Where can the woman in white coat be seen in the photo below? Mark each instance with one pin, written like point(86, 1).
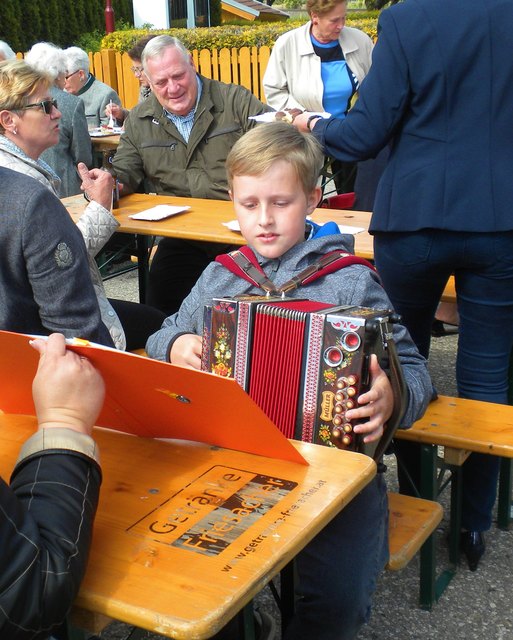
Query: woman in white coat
point(319, 67)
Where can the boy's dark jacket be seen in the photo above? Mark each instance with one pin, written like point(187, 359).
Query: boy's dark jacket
point(357, 285)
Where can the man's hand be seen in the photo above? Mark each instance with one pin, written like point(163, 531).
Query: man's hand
point(98, 185)
point(67, 390)
point(186, 351)
point(376, 405)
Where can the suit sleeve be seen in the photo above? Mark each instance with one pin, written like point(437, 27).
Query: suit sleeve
point(46, 518)
point(58, 270)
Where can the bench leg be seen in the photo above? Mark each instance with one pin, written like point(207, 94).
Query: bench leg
point(432, 587)
point(428, 490)
point(505, 487)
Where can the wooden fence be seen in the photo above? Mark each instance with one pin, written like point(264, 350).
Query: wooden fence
point(245, 66)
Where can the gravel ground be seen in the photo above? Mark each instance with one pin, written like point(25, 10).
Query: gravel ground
point(475, 606)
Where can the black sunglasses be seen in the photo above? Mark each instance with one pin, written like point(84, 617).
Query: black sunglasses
point(45, 105)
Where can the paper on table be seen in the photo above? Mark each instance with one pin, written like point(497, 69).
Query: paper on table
point(160, 212)
point(233, 225)
point(270, 116)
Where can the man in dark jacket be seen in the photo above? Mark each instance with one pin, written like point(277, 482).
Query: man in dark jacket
point(176, 143)
point(47, 512)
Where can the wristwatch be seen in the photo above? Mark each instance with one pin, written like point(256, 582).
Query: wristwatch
point(315, 116)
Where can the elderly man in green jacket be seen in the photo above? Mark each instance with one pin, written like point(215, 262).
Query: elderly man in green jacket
point(176, 143)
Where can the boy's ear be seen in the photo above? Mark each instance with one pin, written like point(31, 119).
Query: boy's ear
point(230, 194)
point(313, 199)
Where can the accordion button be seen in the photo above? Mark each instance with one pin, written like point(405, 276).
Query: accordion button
point(352, 380)
point(347, 427)
point(337, 421)
point(347, 440)
point(351, 391)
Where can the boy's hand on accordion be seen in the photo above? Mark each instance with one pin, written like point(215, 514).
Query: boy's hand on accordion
point(186, 351)
point(376, 405)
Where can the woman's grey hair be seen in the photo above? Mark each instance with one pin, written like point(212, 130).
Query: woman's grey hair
point(76, 59)
point(6, 52)
point(46, 57)
point(156, 47)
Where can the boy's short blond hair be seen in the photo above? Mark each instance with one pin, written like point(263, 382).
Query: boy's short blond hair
point(261, 147)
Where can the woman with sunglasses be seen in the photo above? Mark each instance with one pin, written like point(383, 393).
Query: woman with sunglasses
point(29, 124)
point(74, 144)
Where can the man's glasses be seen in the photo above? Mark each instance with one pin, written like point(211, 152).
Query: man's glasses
point(45, 105)
point(137, 71)
point(71, 74)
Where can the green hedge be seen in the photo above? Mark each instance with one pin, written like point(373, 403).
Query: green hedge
point(231, 36)
point(63, 22)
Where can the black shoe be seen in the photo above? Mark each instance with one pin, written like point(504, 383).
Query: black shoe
point(473, 546)
point(439, 329)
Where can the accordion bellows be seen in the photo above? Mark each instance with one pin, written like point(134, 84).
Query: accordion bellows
point(303, 362)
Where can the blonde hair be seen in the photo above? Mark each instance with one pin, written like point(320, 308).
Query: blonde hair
point(18, 83)
point(266, 144)
point(320, 7)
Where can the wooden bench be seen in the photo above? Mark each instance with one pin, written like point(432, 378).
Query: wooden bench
point(411, 522)
point(461, 427)
point(449, 294)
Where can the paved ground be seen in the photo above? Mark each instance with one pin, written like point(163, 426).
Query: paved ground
point(476, 606)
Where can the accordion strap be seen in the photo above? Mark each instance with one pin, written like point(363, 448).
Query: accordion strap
point(243, 262)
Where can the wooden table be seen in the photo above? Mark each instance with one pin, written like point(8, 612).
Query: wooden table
point(105, 143)
point(204, 222)
point(187, 534)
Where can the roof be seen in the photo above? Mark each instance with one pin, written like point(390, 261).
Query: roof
point(252, 10)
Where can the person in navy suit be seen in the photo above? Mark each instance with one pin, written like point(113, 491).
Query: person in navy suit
point(440, 91)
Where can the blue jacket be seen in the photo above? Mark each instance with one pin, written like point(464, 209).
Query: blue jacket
point(440, 88)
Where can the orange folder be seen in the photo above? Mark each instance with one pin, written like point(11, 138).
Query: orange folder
point(154, 399)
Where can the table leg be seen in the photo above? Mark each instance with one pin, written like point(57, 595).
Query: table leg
point(143, 263)
point(505, 487)
point(247, 622)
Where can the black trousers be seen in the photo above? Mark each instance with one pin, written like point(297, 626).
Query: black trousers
point(175, 269)
point(139, 321)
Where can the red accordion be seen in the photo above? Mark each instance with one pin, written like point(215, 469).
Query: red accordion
point(303, 362)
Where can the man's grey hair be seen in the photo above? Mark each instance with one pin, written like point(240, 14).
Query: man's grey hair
point(156, 47)
point(5, 51)
point(76, 59)
point(48, 58)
